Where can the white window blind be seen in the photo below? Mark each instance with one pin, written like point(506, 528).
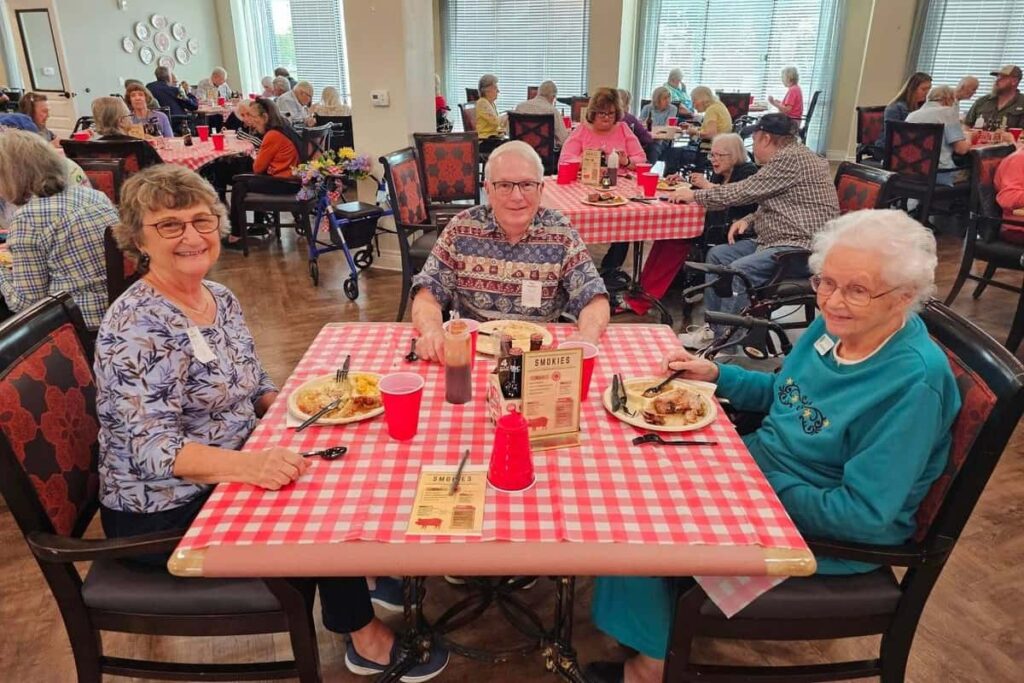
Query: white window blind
point(522, 42)
point(739, 46)
point(970, 37)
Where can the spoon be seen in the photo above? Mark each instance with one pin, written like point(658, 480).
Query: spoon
point(411, 356)
point(332, 453)
point(656, 438)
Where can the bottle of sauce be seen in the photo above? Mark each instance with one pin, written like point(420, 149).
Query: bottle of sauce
point(513, 388)
point(458, 352)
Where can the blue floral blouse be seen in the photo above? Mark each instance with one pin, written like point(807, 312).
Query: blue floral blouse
point(154, 396)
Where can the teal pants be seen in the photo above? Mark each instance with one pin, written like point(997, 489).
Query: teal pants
point(636, 611)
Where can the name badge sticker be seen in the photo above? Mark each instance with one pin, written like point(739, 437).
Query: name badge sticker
point(824, 344)
point(200, 349)
point(531, 296)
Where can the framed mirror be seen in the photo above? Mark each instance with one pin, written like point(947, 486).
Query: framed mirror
point(40, 50)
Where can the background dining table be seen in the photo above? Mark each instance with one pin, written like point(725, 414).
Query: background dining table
point(174, 151)
point(603, 507)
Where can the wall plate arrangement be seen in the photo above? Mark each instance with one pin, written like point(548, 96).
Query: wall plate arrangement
point(193, 46)
point(128, 45)
point(145, 55)
point(158, 21)
point(166, 61)
point(179, 32)
point(182, 55)
point(161, 41)
point(141, 31)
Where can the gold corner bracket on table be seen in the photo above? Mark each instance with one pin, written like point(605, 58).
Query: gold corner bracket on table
point(789, 562)
point(187, 562)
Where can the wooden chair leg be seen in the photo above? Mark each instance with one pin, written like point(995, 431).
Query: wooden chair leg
point(296, 598)
point(1017, 328)
point(990, 271)
point(961, 277)
point(684, 630)
point(406, 287)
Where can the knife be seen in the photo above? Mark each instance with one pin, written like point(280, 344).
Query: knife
point(458, 475)
point(318, 414)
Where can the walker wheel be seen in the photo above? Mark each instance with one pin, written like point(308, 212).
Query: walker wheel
point(351, 288)
point(364, 258)
point(314, 272)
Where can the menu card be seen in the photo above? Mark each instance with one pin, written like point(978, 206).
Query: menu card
point(590, 167)
point(551, 397)
point(436, 511)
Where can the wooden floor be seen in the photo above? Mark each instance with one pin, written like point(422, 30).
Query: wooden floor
point(972, 630)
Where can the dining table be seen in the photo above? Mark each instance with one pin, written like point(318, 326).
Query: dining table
point(174, 151)
point(603, 507)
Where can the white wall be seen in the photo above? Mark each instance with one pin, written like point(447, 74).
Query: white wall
point(93, 29)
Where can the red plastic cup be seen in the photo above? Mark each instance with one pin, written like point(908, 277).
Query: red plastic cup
point(589, 359)
point(672, 121)
point(649, 183)
point(221, 101)
point(82, 136)
point(511, 467)
point(218, 141)
point(474, 334)
point(643, 168)
point(567, 120)
point(401, 393)
point(566, 174)
point(253, 96)
point(203, 132)
point(1015, 132)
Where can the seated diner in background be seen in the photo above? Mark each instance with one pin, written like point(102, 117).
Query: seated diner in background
point(604, 129)
point(55, 236)
point(267, 83)
point(510, 259)
point(910, 98)
point(156, 122)
point(330, 104)
point(795, 198)
point(716, 117)
point(636, 126)
point(179, 389)
point(1004, 106)
point(544, 103)
point(150, 100)
point(111, 120)
point(490, 127)
point(36, 106)
point(282, 72)
point(792, 104)
point(660, 109)
point(730, 164)
point(858, 420)
point(965, 89)
point(677, 90)
point(214, 87)
point(279, 86)
point(940, 107)
point(1009, 183)
point(294, 104)
point(175, 97)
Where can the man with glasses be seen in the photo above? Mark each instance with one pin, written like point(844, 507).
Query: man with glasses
point(510, 259)
point(795, 198)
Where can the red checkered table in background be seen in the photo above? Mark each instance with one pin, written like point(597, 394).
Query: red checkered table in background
point(605, 507)
point(174, 151)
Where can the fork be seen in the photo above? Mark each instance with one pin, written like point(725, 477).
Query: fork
point(650, 392)
point(651, 437)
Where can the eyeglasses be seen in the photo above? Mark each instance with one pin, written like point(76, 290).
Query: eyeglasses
point(605, 114)
point(172, 227)
point(528, 188)
point(720, 155)
point(855, 295)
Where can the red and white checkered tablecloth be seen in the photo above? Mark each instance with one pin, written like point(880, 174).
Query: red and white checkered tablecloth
point(604, 491)
point(200, 153)
point(632, 222)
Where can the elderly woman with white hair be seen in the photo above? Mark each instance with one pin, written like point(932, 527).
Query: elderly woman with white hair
point(858, 421)
point(677, 89)
point(112, 121)
point(490, 127)
point(792, 105)
point(716, 117)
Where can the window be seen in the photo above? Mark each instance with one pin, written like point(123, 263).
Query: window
point(970, 37)
point(740, 46)
point(522, 42)
point(307, 37)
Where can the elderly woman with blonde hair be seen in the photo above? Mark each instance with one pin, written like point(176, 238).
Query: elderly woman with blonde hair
point(858, 420)
point(55, 236)
point(111, 119)
point(330, 104)
point(716, 117)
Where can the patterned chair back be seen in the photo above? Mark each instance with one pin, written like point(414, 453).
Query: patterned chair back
point(869, 124)
point(538, 131)
point(48, 424)
point(122, 271)
point(912, 150)
point(449, 164)
point(738, 103)
point(472, 94)
point(402, 171)
point(991, 384)
point(862, 187)
point(531, 91)
point(984, 163)
point(468, 112)
point(577, 107)
point(128, 150)
point(105, 175)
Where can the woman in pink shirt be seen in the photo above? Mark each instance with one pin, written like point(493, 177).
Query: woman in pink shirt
point(1009, 182)
point(604, 130)
point(792, 105)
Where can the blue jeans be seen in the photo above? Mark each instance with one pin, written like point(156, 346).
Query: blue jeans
point(743, 257)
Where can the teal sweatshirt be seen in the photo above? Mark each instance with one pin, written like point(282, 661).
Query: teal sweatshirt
point(851, 450)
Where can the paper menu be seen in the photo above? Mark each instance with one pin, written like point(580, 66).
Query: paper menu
point(436, 512)
point(551, 396)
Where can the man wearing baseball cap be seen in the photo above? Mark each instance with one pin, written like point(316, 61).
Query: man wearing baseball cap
point(1005, 105)
point(795, 198)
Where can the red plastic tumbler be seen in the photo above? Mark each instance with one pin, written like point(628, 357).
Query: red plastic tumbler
point(203, 132)
point(511, 461)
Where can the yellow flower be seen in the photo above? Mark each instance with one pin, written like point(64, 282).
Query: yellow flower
point(347, 153)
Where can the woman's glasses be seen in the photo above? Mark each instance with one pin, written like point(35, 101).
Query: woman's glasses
point(605, 114)
point(172, 227)
point(855, 295)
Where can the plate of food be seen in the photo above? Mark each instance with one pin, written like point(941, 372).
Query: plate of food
point(681, 405)
point(672, 182)
point(361, 394)
point(604, 199)
point(520, 330)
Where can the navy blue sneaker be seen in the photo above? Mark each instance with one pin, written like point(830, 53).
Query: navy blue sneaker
point(361, 666)
point(388, 594)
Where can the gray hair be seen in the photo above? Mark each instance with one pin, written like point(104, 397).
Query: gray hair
point(659, 92)
point(267, 82)
point(282, 85)
point(790, 76)
point(520, 149)
point(702, 92)
point(547, 89)
point(486, 81)
point(905, 247)
point(942, 93)
point(162, 73)
point(29, 167)
point(624, 98)
point(107, 113)
point(675, 75)
point(219, 71)
point(304, 86)
point(731, 143)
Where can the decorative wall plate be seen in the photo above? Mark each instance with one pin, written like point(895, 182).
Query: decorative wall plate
point(166, 61)
point(179, 32)
point(158, 21)
point(145, 54)
point(161, 41)
point(141, 31)
point(193, 46)
point(127, 44)
point(182, 55)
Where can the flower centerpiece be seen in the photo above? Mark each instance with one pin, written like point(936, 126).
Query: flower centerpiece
point(329, 171)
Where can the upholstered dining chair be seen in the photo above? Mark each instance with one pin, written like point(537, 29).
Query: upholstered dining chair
point(820, 607)
point(862, 187)
point(132, 151)
point(578, 104)
point(870, 122)
point(472, 94)
point(983, 242)
point(121, 270)
point(531, 91)
point(468, 113)
point(808, 116)
point(912, 152)
point(48, 476)
point(105, 175)
point(450, 170)
point(737, 103)
point(538, 131)
point(415, 231)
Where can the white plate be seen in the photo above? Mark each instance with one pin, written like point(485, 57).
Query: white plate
point(166, 61)
point(488, 345)
point(193, 46)
point(182, 55)
point(294, 409)
point(145, 54)
point(127, 44)
point(179, 32)
point(158, 21)
point(161, 41)
point(141, 31)
point(634, 391)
